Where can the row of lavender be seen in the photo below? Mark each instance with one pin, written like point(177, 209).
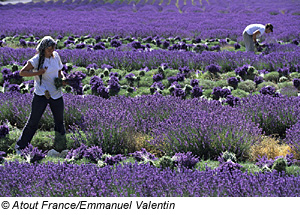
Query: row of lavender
point(169, 124)
point(209, 20)
point(19, 179)
point(282, 56)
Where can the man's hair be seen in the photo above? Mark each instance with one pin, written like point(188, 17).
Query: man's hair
point(269, 26)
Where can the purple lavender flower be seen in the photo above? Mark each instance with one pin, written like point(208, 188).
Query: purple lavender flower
point(214, 69)
point(74, 80)
point(80, 46)
point(184, 69)
point(242, 71)
point(32, 154)
point(93, 153)
point(231, 100)
point(264, 161)
point(158, 42)
point(143, 155)
point(4, 130)
point(229, 167)
point(295, 41)
point(178, 92)
point(194, 82)
point(290, 159)
point(284, 71)
point(59, 37)
point(13, 88)
point(233, 81)
point(157, 77)
point(78, 153)
point(6, 71)
point(115, 43)
point(99, 46)
point(218, 92)
point(215, 48)
point(225, 92)
point(296, 83)
point(264, 71)
point(198, 40)
point(92, 66)
point(158, 85)
point(130, 77)
point(148, 39)
point(268, 90)
point(197, 92)
point(2, 154)
point(187, 160)
point(237, 46)
point(180, 76)
point(113, 85)
point(22, 42)
point(111, 160)
point(95, 83)
point(106, 66)
point(166, 44)
point(258, 80)
point(172, 79)
point(136, 44)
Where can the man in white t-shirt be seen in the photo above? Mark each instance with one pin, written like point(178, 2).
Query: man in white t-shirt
point(253, 31)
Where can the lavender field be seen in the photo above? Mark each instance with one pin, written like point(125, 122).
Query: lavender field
point(162, 99)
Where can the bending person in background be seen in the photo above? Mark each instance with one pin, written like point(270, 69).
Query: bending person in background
point(252, 32)
point(45, 66)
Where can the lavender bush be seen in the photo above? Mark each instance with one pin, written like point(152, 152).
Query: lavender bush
point(187, 160)
point(138, 180)
point(273, 114)
point(32, 154)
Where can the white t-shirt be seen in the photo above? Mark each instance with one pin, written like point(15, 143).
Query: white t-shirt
point(54, 65)
point(250, 29)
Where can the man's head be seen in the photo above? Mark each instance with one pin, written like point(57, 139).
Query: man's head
point(268, 28)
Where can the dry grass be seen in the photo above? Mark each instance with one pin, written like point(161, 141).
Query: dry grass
point(271, 148)
point(135, 141)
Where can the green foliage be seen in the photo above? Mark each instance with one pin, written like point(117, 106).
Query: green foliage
point(266, 169)
point(211, 76)
point(170, 72)
point(248, 86)
point(75, 138)
point(7, 143)
point(280, 164)
point(146, 81)
point(229, 156)
point(250, 167)
point(283, 79)
point(221, 83)
point(264, 84)
point(208, 93)
point(43, 140)
point(166, 162)
point(228, 75)
point(211, 164)
point(293, 170)
point(239, 93)
point(295, 75)
point(289, 91)
point(285, 84)
point(272, 77)
point(251, 73)
point(206, 84)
